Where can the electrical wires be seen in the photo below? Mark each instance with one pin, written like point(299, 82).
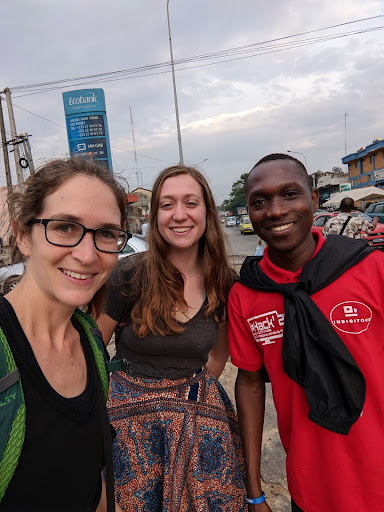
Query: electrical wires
point(208, 59)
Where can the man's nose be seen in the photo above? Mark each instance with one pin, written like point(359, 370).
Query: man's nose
point(276, 207)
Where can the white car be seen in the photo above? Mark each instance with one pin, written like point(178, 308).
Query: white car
point(134, 245)
point(10, 275)
point(230, 221)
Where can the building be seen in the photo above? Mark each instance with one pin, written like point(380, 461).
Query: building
point(139, 207)
point(330, 183)
point(366, 166)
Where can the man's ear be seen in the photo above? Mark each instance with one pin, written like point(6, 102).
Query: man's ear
point(315, 199)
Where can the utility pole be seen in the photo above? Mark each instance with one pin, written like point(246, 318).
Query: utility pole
point(174, 90)
point(6, 162)
point(28, 152)
point(345, 133)
point(134, 149)
point(12, 124)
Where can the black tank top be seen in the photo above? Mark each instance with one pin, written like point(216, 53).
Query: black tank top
point(62, 457)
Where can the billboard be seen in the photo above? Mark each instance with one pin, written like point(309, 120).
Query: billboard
point(344, 187)
point(87, 128)
point(242, 210)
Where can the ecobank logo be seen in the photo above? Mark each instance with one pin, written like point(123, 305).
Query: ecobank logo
point(89, 97)
point(351, 317)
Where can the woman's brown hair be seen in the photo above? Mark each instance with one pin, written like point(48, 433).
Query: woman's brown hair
point(29, 202)
point(157, 286)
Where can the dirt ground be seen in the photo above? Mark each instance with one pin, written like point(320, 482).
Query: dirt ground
point(273, 455)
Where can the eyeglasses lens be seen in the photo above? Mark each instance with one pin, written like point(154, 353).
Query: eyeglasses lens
point(68, 234)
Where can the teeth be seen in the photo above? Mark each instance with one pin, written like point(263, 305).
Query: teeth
point(181, 230)
point(281, 228)
point(76, 275)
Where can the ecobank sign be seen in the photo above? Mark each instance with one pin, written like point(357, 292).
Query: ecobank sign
point(84, 100)
point(87, 126)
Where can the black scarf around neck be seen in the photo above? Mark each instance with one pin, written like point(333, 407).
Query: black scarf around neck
point(314, 356)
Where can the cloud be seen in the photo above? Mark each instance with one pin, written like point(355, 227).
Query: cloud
point(232, 113)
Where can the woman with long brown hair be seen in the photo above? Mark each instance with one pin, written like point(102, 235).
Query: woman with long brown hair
point(69, 227)
point(177, 446)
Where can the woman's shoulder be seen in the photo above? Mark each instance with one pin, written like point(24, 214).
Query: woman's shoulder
point(127, 267)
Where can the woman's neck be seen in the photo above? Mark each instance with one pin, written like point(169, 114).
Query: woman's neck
point(39, 317)
point(186, 262)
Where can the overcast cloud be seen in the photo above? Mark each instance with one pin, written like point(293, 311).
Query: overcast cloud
point(231, 113)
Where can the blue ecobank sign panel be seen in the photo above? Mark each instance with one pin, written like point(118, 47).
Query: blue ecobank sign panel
point(87, 127)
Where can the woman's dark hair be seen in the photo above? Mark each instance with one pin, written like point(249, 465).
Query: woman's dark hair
point(157, 286)
point(29, 202)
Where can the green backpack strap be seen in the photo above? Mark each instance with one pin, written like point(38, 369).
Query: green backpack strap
point(12, 414)
point(104, 366)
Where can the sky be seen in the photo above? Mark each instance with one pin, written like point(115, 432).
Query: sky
point(292, 84)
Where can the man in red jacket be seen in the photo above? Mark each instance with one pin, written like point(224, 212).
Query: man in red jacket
point(310, 311)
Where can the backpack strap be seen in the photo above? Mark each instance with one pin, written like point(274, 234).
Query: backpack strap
point(12, 414)
point(103, 364)
point(100, 361)
point(96, 342)
point(345, 225)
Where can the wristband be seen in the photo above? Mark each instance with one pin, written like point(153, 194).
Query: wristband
point(255, 501)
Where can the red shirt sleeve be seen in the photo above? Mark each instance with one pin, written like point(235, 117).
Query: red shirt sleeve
point(243, 348)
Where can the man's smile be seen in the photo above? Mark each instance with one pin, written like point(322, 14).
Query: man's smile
point(281, 228)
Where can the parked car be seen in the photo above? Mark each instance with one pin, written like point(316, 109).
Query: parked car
point(376, 210)
point(10, 275)
point(245, 225)
point(230, 221)
point(375, 237)
point(134, 245)
point(317, 212)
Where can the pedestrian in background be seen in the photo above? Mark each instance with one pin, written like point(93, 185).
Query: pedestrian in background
point(259, 248)
point(177, 446)
point(144, 228)
point(346, 224)
point(311, 311)
point(69, 227)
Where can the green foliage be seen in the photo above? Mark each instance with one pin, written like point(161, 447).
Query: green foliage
point(236, 196)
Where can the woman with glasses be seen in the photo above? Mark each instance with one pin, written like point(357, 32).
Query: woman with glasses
point(69, 228)
point(177, 447)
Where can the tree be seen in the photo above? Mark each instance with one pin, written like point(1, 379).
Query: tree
point(236, 196)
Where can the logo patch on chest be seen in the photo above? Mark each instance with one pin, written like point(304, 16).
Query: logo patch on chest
point(267, 328)
point(351, 317)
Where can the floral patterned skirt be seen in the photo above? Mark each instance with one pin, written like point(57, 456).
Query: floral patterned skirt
point(177, 447)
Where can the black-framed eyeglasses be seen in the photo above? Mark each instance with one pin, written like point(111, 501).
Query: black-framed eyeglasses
point(65, 233)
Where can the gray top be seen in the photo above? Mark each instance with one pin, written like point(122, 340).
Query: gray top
point(159, 357)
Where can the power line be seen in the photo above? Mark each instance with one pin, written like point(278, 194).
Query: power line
point(238, 53)
point(282, 48)
point(269, 46)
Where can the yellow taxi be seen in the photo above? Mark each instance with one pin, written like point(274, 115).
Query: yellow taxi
point(245, 225)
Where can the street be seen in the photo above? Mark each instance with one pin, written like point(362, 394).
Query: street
point(273, 455)
point(241, 244)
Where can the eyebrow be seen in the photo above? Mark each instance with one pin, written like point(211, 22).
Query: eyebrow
point(186, 196)
point(283, 187)
point(73, 218)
